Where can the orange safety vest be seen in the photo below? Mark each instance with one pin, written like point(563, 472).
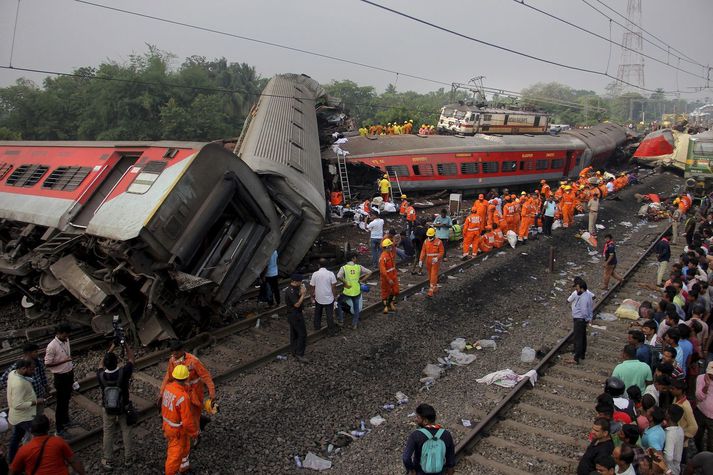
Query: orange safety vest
point(499, 238)
point(546, 190)
point(430, 250)
point(176, 410)
point(198, 378)
point(387, 266)
point(403, 208)
point(487, 241)
point(411, 214)
point(472, 224)
point(336, 198)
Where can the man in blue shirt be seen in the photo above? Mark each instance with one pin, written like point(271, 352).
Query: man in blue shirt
point(582, 309)
point(271, 279)
point(684, 343)
point(643, 352)
point(672, 338)
point(548, 218)
point(654, 437)
point(443, 225)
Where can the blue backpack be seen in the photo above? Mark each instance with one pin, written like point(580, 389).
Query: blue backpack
point(433, 452)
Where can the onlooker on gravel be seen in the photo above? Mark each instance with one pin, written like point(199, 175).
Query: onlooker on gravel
point(654, 436)
point(376, 233)
point(45, 454)
point(688, 422)
point(604, 465)
point(669, 358)
point(582, 308)
point(430, 444)
point(673, 447)
point(624, 458)
point(672, 338)
point(663, 256)
point(632, 371)
point(610, 262)
point(702, 464)
point(601, 445)
point(643, 352)
point(295, 295)
point(704, 409)
point(352, 275)
point(114, 384)
point(39, 378)
point(324, 288)
point(629, 435)
point(593, 206)
point(22, 402)
point(58, 358)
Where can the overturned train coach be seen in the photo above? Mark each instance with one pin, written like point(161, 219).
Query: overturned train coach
point(167, 235)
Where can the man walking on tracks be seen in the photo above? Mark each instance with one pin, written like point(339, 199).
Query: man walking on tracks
point(58, 358)
point(389, 275)
point(199, 378)
point(430, 449)
point(295, 295)
point(582, 310)
point(352, 275)
point(431, 254)
point(179, 425)
point(324, 288)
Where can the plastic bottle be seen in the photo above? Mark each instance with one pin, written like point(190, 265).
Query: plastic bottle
point(362, 426)
point(389, 407)
point(298, 462)
point(486, 343)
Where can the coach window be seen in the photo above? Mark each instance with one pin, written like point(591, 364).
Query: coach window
point(508, 166)
point(447, 169)
point(146, 177)
point(397, 170)
point(528, 165)
point(487, 117)
point(490, 167)
point(423, 170)
point(542, 164)
point(66, 178)
point(5, 167)
point(469, 168)
point(557, 163)
point(26, 175)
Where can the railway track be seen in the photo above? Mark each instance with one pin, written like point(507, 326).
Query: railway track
point(543, 429)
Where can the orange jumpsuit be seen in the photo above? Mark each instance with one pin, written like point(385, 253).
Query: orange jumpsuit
point(178, 426)
point(585, 172)
point(487, 241)
point(367, 206)
point(411, 214)
point(490, 214)
point(431, 251)
point(388, 272)
point(527, 219)
point(199, 378)
point(403, 208)
point(509, 211)
point(499, 238)
point(603, 191)
point(568, 200)
point(471, 233)
point(546, 190)
point(481, 209)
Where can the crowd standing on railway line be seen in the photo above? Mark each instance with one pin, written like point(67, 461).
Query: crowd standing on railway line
point(655, 415)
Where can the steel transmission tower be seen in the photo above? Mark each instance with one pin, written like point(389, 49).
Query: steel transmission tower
point(631, 67)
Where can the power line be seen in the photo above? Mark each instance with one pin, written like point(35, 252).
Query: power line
point(597, 35)
point(14, 31)
point(509, 50)
point(668, 46)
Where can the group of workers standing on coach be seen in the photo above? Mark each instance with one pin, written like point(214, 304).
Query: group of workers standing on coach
point(397, 128)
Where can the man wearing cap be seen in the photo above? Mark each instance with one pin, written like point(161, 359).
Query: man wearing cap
point(704, 409)
point(295, 296)
point(403, 207)
point(582, 311)
point(179, 426)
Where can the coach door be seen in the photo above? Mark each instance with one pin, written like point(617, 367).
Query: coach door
point(568, 163)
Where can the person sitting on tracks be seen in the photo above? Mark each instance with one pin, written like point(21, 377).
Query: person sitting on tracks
point(430, 449)
point(601, 445)
point(45, 454)
point(114, 383)
point(632, 371)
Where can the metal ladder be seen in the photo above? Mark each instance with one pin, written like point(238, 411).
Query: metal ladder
point(394, 178)
point(343, 175)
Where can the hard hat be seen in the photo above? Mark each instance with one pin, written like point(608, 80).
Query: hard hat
point(567, 187)
point(389, 123)
point(387, 242)
point(403, 197)
point(562, 182)
point(411, 121)
point(210, 407)
point(599, 173)
point(581, 187)
point(676, 201)
point(180, 372)
point(543, 181)
point(430, 232)
point(406, 122)
point(386, 175)
point(481, 196)
point(522, 193)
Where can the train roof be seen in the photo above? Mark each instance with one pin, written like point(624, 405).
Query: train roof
point(374, 146)
point(490, 110)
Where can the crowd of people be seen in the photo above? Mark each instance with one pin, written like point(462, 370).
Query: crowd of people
point(397, 128)
point(655, 415)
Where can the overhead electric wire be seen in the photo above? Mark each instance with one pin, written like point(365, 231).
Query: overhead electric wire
point(511, 50)
point(685, 57)
point(597, 35)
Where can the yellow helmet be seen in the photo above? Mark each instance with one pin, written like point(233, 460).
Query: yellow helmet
point(431, 232)
point(387, 242)
point(522, 193)
point(386, 175)
point(411, 121)
point(567, 187)
point(180, 372)
point(676, 201)
point(581, 187)
point(403, 197)
point(210, 407)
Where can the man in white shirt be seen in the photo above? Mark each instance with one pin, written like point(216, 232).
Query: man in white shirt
point(375, 226)
point(324, 288)
point(58, 359)
point(673, 448)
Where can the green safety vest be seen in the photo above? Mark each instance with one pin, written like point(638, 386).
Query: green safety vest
point(352, 272)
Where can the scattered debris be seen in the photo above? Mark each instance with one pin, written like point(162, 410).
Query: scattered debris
point(466, 422)
point(315, 462)
point(607, 317)
point(376, 421)
point(527, 355)
point(480, 344)
point(507, 378)
point(628, 309)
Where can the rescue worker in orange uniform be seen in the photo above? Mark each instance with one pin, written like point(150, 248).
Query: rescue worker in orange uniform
point(518, 210)
point(367, 206)
point(178, 423)
point(404, 206)
point(602, 190)
point(481, 208)
point(389, 276)
point(527, 218)
point(471, 234)
point(585, 172)
point(509, 210)
point(431, 254)
point(487, 240)
point(559, 191)
point(199, 379)
point(410, 220)
point(546, 191)
point(498, 235)
point(568, 200)
point(490, 216)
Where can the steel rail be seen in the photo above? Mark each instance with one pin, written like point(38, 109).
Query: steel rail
point(465, 447)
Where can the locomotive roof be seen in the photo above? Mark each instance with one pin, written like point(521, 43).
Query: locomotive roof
point(491, 110)
point(414, 144)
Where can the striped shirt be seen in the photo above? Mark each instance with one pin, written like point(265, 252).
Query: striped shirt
point(39, 378)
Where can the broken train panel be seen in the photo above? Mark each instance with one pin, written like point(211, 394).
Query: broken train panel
point(168, 233)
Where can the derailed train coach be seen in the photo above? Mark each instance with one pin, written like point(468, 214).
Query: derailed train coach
point(166, 235)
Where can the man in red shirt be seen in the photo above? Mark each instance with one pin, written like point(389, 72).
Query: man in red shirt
point(51, 453)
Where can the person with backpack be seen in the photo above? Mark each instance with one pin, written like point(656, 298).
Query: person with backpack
point(430, 449)
point(114, 384)
point(45, 454)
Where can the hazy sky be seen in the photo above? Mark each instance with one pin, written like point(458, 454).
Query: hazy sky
point(61, 35)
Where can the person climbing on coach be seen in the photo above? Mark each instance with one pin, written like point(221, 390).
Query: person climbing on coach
point(179, 424)
point(195, 386)
point(389, 276)
point(430, 449)
point(431, 255)
point(352, 275)
point(385, 187)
